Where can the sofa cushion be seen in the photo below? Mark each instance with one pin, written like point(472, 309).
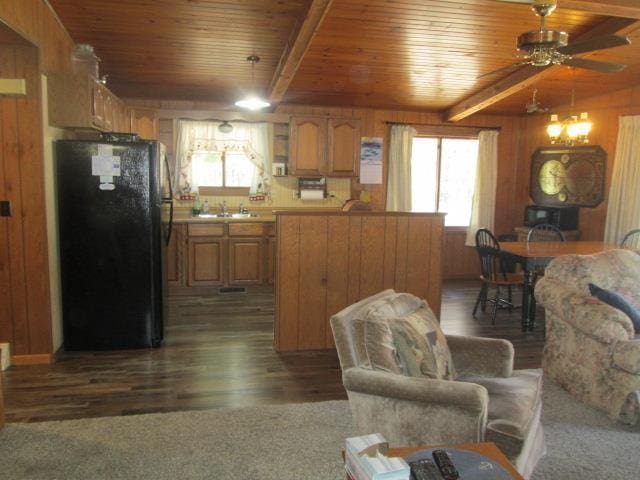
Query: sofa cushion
point(401, 328)
point(513, 403)
point(617, 300)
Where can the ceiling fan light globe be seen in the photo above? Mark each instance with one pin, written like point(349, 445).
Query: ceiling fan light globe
point(252, 103)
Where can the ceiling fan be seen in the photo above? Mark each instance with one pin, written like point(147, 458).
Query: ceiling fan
point(546, 46)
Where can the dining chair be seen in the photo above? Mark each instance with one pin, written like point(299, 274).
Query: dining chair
point(631, 240)
point(493, 275)
point(545, 232)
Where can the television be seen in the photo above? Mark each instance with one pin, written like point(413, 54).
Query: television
point(565, 218)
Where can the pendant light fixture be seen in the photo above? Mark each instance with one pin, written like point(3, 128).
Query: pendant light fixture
point(225, 127)
point(252, 101)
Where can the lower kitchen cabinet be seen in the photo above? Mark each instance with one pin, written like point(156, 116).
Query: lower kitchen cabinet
point(246, 260)
point(219, 254)
point(206, 261)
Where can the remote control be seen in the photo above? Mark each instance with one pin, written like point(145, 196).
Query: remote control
point(445, 465)
point(424, 470)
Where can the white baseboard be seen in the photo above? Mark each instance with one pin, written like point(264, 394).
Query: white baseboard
point(5, 356)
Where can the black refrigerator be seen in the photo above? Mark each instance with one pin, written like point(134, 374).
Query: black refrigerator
point(110, 200)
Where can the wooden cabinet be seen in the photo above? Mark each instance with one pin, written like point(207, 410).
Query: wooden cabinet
point(220, 254)
point(307, 140)
point(246, 261)
point(329, 261)
point(145, 123)
point(174, 257)
point(206, 261)
point(343, 147)
point(80, 101)
point(271, 260)
point(320, 146)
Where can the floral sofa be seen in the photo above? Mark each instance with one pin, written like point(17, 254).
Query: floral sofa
point(591, 348)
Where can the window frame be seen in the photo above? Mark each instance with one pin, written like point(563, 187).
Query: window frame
point(440, 137)
point(210, 190)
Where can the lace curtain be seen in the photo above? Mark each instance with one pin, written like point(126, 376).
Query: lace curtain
point(255, 140)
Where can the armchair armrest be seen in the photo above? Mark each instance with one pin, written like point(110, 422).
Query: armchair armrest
point(626, 356)
point(487, 357)
point(469, 396)
point(414, 410)
point(595, 319)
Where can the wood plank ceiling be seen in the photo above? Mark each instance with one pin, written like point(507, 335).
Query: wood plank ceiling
point(423, 54)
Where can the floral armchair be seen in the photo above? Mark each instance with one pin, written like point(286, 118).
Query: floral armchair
point(591, 348)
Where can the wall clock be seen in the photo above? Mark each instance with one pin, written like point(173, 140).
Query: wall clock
point(568, 176)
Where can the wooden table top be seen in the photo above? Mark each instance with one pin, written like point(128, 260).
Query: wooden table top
point(555, 249)
point(488, 449)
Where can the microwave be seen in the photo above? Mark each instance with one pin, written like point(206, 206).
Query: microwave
point(565, 218)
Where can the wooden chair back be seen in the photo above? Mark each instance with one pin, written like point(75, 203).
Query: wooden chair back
point(631, 240)
point(545, 232)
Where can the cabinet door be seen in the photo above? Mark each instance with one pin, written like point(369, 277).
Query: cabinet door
point(145, 123)
point(271, 260)
point(307, 142)
point(98, 106)
point(245, 261)
point(343, 147)
point(206, 261)
point(109, 112)
point(174, 257)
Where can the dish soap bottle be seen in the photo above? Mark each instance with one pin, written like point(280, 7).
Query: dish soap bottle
point(205, 207)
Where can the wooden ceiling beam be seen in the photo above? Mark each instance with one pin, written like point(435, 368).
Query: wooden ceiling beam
point(296, 48)
point(528, 75)
point(610, 8)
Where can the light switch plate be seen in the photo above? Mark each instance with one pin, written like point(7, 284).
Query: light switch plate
point(5, 356)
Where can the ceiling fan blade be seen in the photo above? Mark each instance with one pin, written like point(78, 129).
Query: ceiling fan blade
point(506, 69)
point(597, 43)
point(604, 67)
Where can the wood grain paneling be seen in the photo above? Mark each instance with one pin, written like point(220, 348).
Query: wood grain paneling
point(26, 322)
point(183, 49)
point(287, 302)
point(604, 112)
point(333, 260)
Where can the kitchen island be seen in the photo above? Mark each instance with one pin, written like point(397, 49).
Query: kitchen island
point(329, 260)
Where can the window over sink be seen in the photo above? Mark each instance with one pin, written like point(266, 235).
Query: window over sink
point(215, 162)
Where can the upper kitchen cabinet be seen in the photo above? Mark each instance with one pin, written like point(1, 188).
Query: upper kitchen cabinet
point(80, 101)
point(307, 140)
point(145, 122)
point(320, 146)
point(343, 147)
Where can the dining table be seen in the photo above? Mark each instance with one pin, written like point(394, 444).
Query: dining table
point(534, 257)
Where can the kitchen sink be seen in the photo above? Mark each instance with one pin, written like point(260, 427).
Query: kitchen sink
point(227, 215)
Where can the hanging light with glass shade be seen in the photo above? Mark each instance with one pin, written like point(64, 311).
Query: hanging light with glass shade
point(574, 129)
point(252, 101)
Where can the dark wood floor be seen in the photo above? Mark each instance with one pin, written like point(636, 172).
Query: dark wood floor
point(217, 353)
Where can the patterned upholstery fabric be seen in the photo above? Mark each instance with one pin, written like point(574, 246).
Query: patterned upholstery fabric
point(591, 349)
point(423, 405)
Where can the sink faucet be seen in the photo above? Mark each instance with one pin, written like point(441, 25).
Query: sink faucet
point(242, 209)
point(223, 208)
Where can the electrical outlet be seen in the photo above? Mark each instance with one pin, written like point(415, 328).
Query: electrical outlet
point(331, 194)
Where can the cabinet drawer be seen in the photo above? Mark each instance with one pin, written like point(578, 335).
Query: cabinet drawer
point(245, 229)
point(206, 230)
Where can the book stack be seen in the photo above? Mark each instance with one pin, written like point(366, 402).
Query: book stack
point(366, 459)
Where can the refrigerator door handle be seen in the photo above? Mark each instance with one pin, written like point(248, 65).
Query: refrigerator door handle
point(169, 181)
point(170, 228)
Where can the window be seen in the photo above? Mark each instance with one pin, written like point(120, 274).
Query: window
point(221, 169)
point(443, 174)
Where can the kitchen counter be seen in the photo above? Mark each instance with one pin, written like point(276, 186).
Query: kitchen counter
point(191, 219)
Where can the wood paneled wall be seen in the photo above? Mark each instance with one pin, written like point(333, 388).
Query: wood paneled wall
point(604, 111)
point(36, 21)
point(25, 309)
point(329, 261)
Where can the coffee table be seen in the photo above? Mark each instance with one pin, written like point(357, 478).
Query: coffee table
point(488, 449)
